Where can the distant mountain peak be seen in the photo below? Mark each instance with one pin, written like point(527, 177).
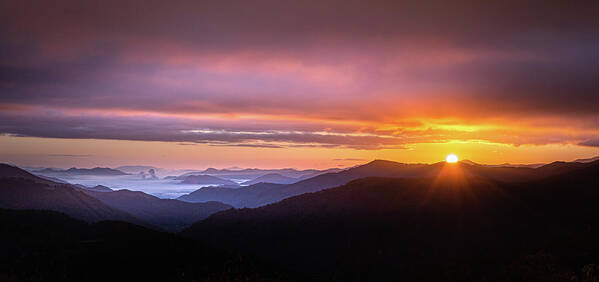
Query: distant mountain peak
point(101, 188)
point(206, 179)
point(381, 161)
point(274, 177)
point(587, 160)
point(98, 171)
point(468, 162)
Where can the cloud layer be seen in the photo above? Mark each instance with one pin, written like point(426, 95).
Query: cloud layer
point(364, 75)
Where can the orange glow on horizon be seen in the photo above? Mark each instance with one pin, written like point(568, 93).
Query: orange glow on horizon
point(31, 151)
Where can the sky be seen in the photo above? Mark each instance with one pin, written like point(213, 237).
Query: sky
point(301, 84)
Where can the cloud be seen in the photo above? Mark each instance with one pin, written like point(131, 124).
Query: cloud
point(384, 52)
point(271, 146)
point(186, 144)
point(69, 155)
point(266, 132)
point(215, 133)
point(590, 143)
point(300, 74)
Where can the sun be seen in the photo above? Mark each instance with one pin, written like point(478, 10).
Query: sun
point(451, 158)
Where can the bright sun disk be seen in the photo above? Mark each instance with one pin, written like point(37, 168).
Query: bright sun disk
point(451, 158)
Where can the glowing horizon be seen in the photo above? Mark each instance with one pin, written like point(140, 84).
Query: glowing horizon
point(322, 87)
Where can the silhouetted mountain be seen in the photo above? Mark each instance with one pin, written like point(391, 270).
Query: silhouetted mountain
point(7, 171)
point(97, 188)
point(97, 171)
point(556, 168)
point(454, 226)
point(272, 178)
point(49, 246)
point(100, 188)
point(53, 179)
point(21, 190)
point(378, 168)
point(99, 202)
point(250, 173)
point(504, 164)
point(588, 160)
point(206, 180)
point(237, 197)
point(256, 171)
point(135, 168)
point(255, 196)
point(314, 173)
point(172, 215)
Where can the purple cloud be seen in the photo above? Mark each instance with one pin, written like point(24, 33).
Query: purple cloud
point(590, 142)
point(323, 74)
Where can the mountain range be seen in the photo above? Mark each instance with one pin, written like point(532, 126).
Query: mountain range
point(272, 178)
point(22, 190)
point(204, 180)
point(252, 173)
point(463, 223)
point(235, 196)
point(97, 171)
point(135, 169)
point(169, 214)
point(259, 195)
point(382, 221)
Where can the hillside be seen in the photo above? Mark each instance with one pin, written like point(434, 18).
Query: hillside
point(205, 180)
point(272, 178)
point(379, 168)
point(456, 224)
point(71, 172)
point(171, 215)
point(20, 194)
point(100, 188)
point(8, 171)
point(49, 246)
point(237, 197)
point(22, 190)
point(251, 173)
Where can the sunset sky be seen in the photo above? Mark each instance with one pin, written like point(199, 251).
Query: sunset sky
point(194, 84)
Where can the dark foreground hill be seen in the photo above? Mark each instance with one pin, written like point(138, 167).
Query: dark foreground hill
point(456, 226)
point(237, 197)
point(9, 171)
point(22, 190)
point(49, 246)
point(169, 214)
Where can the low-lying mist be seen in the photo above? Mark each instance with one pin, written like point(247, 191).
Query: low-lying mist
point(162, 188)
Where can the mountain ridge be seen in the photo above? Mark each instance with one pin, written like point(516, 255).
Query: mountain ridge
point(22, 190)
point(169, 214)
point(203, 179)
point(383, 168)
point(275, 178)
point(369, 227)
point(96, 171)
